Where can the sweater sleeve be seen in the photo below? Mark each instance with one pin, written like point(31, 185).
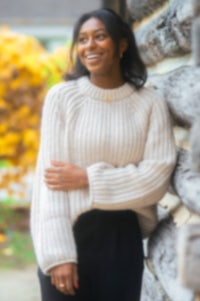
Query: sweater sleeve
point(140, 185)
point(51, 227)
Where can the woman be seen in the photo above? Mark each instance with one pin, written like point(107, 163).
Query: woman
point(106, 155)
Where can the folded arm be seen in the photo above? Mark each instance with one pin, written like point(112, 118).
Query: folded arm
point(134, 186)
point(49, 209)
point(138, 185)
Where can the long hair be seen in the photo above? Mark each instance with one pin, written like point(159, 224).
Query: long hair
point(132, 66)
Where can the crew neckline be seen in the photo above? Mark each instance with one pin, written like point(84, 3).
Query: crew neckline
point(106, 95)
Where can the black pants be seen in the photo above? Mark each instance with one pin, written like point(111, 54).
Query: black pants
point(110, 259)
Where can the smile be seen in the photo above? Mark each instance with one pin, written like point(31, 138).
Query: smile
point(92, 56)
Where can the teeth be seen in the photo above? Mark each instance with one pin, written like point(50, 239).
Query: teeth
point(92, 56)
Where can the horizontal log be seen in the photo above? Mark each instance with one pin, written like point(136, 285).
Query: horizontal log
point(186, 183)
point(188, 248)
point(138, 9)
point(167, 35)
point(181, 91)
point(163, 255)
point(196, 41)
point(196, 4)
point(195, 145)
point(151, 287)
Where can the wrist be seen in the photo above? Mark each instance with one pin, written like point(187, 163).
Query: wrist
point(84, 178)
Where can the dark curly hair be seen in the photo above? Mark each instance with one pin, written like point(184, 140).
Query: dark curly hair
point(132, 66)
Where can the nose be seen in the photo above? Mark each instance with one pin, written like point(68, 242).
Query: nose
point(91, 43)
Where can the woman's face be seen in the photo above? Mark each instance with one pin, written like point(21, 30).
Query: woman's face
point(96, 50)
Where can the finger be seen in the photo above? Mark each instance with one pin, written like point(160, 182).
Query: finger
point(59, 283)
point(53, 281)
point(53, 178)
point(53, 187)
point(51, 181)
point(75, 278)
point(52, 171)
point(56, 282)
point(69, 286)
point(57, 163)
point(61, 287)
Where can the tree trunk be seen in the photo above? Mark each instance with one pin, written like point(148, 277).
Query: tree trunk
point(118, 6)
point(113, 4)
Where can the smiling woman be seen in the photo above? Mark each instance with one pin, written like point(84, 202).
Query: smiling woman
point(98, 53)
point(102, 167)
point(122, 43)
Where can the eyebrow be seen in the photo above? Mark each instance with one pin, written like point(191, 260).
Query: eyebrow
point(99, 29)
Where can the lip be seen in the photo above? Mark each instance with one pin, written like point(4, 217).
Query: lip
point(92, 57)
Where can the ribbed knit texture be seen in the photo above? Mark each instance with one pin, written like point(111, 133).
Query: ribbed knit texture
point(127, 147)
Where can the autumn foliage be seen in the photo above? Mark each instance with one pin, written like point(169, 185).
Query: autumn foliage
point(27, 70)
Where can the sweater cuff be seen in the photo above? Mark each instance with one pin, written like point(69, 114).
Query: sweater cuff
point(47, 269)
point(47, 265)
point(55, 246)
point(96, 181)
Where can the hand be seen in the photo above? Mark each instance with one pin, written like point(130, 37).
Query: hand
point(65, 176)
point(65, 278)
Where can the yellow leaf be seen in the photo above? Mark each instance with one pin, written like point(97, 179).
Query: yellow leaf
point(3, 104)
point(29, 137)
point(3, 128)
point(2, 238)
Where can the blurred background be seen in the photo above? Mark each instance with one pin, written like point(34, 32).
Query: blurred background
point(48, 20)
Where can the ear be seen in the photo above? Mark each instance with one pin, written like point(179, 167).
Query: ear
point(123, 46)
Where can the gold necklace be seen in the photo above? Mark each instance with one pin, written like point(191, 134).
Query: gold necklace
point(108, 99)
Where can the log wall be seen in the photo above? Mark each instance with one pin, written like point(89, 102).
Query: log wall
point(168, 36)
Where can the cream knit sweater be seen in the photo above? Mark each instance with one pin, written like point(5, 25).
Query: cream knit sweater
point(123, 138)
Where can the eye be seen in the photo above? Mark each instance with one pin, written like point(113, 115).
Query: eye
point(82, 40)
point(100, 37)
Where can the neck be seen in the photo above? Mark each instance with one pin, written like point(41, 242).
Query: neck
point(107, 82)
